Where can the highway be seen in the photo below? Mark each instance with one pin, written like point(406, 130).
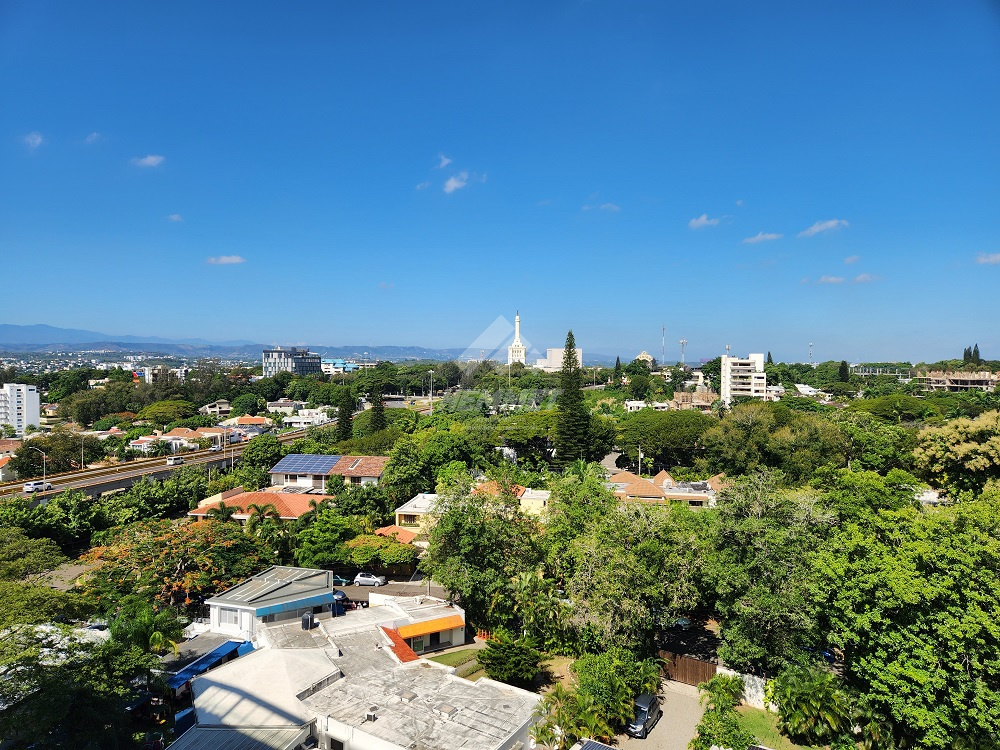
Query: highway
point(98, 480)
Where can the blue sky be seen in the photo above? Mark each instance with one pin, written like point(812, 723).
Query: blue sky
point(755, 174)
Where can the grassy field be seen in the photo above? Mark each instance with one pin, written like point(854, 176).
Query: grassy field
point(764, 726)
point(455, 658)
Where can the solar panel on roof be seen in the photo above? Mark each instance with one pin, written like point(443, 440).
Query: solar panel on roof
point(299, 463)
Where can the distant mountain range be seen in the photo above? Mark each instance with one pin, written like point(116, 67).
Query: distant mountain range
point(40, 339)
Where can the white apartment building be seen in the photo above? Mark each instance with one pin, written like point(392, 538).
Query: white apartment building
point(20, 406)
point(743, 377)
point(295, 361)
point(553, 360)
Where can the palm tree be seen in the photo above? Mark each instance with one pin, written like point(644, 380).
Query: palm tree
point(152, 631)
point(258, 514)
point(221, 512)
point(814, 706)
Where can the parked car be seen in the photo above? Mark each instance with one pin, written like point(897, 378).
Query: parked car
point(369, 579)
point(215, 449)
point(175, 460)
point(647, 713)
point(37, 486)
point(340, 597)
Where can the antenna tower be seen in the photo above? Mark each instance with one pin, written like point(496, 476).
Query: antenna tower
point(683, 342)
point(663, 345)
point(810, 352)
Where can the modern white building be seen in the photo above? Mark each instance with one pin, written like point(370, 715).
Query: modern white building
point(743, 377)
point(20, 406)
point(553, 360)
point(516, 352)
point(295, 361)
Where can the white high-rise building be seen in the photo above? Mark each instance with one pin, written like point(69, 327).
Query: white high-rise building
point(296, 361)
point(516, 351)
point(553, 360)
point(19, 406)
point(743, 377)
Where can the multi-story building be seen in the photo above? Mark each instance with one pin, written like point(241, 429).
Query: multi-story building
point(553, 361)
point(743, 377)
point(20, 406)
point(516, 352)
point(293, 360)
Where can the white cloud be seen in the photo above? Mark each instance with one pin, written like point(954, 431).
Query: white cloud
point(92, 138)
point(762, 237)
point(443, 161)
point(739, 202)
point(33, 140)
point(610, 207)
point(456, 182)
point(423, 185)
point(823, 226)
point(175, 217)
point(805, 280)
point(152, 160)
point(864, 278)
point(989, 259)
point(830, 280)
point(387, 285)
point(703, 221)
point(227, 260)
point(851, 259)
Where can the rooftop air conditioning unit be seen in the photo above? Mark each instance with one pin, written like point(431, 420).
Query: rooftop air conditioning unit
point(372, 713)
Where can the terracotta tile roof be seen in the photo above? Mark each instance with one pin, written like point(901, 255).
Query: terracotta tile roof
point(398, 532)
point(635, 486)
point(436, 625)
point(403, 652)
point(359, 466)
point(290, 505)
point(6, 459)
point(493, 488)
point(718, 482)
point(9, 445)
point(246, 421)
point(663, 477)
point(182, 432)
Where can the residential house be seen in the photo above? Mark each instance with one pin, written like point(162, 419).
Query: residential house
point(661, 489)
point(401, 535)
point(306, 418)
point(254, 425)
point(416, 510)
point(307, 470)
point(6, 473)
point(285, 406)
point(288, 505)
point(633, 406)
point(532, 502)
point(220, 408)
point(8, 447)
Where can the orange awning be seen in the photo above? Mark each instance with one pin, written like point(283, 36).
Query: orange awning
point(431, 626)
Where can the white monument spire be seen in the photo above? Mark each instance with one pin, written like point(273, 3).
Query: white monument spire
point(516, 351)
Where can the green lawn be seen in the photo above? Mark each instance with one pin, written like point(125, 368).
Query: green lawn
point(764, 726)
point(455, 658)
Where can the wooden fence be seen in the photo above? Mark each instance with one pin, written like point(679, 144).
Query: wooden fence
point(686, 669)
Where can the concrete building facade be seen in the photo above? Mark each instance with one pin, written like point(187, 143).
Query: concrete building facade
point(293, 360)
point(20, 406)
point(743, 377)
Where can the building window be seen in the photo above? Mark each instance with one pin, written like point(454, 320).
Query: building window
point(229, 616)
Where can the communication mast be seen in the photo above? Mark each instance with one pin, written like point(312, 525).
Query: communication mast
point(683, 343)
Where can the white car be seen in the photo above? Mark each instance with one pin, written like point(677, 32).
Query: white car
point(369, 579)
point(37, 486)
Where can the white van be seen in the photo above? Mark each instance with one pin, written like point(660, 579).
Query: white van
point(38, 486)
point(175, 460)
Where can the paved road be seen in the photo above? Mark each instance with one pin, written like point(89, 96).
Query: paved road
point(104, 478)
point(676, 728)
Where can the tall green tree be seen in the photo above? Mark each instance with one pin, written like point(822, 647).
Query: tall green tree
point(346, 404)
point(573, 425)
point(378, 418)
point(770, 361)
point(844, 372)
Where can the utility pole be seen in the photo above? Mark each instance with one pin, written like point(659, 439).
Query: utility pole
point(663, 345)
point(810, 353)
point(683, 343)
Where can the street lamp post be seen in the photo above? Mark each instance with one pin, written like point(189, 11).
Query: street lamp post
point(431, 410)
point(44, 459)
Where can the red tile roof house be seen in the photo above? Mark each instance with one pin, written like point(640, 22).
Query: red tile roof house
point(289, 505)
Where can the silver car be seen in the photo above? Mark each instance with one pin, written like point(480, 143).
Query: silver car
point(36, 487)
point(369, 579)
